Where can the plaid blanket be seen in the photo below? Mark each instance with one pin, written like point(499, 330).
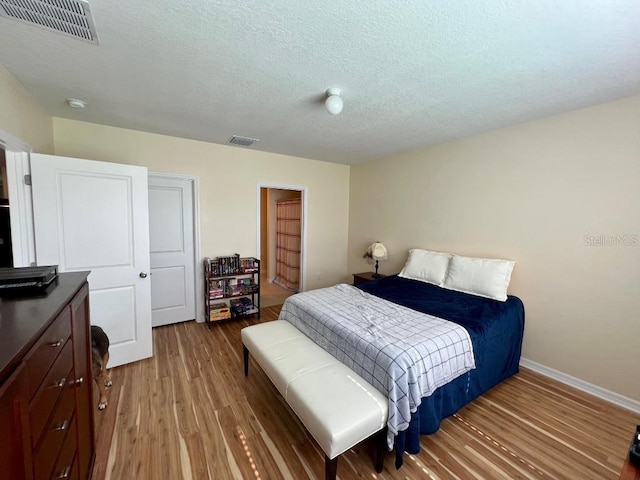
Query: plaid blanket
point(403, 353)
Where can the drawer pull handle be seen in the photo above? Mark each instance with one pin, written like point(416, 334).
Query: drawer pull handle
point(60, 383)
point(62, 426)
point(79, 381)
point(65, 473)
point(57, 344)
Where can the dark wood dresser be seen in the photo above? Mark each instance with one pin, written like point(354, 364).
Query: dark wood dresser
point(46, 406)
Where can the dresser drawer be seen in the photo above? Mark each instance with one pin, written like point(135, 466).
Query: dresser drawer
point(56, 431)
point(64, 468)
point(59, 381)
point(46, 349)
point(68, 474)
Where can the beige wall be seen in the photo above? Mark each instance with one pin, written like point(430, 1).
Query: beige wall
point(22, 116)
point(531, 193)
point(229, 178)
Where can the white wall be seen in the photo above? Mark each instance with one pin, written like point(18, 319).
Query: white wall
point(229, 177)
point(534, 193)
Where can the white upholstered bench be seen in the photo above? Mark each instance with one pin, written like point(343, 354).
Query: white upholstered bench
point(338, 408)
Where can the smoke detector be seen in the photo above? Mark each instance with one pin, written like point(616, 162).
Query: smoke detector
point(69, 17)
point(242, 141)
point(76, 103)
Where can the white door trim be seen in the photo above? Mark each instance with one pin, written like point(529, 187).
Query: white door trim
point(303, 224)
point(21, 209)
point(198, 268)
point(20, 203)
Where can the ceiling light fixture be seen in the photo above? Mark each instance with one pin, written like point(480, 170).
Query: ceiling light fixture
point(334, 101)
point(75, 103)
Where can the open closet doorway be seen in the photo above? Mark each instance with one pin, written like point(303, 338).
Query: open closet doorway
point(281, 243)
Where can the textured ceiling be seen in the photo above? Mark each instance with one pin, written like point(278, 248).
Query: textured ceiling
point(412, 73)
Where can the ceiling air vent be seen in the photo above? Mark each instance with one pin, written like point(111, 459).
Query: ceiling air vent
point(242, 141)
point(70, 17)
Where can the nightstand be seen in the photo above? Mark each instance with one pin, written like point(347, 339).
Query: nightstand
point(364, 277)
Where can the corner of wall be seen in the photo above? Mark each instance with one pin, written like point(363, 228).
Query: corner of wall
point(22, 116)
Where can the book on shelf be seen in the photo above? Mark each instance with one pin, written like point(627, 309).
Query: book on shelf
point(236, 289)
point(249, 265)
point(216, 289)
point(219, 311)
point(228, 265)
point(241, 306)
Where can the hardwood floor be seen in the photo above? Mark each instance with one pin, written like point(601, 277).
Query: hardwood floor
point(272, 294)
point(189, 413)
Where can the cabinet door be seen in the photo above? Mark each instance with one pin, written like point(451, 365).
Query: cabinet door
point(83, 381)
point(15, 452)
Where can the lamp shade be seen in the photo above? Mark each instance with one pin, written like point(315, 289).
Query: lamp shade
point(378, 251)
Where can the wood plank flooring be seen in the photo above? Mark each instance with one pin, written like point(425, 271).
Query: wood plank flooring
point(189, 413)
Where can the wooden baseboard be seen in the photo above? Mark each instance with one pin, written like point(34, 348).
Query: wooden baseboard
point(608, 395)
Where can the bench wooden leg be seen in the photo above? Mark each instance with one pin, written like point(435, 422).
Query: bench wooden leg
point(330, 468)
point(381, 442)
point(245, 355)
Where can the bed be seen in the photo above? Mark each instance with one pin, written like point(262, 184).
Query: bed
point(493, 328)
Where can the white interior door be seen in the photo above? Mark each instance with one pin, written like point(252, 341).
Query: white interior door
point(94, 216)
point(171, 237)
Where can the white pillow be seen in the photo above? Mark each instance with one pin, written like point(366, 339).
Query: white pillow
point(486, 277)
point(426, 266)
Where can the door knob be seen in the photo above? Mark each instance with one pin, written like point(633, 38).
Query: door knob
point(143, 274)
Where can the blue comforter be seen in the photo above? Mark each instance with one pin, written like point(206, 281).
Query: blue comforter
point(496, 330)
